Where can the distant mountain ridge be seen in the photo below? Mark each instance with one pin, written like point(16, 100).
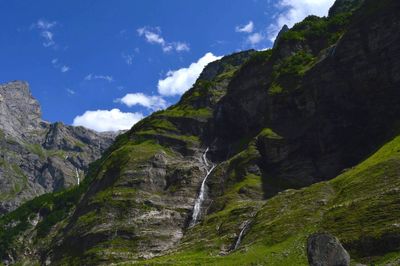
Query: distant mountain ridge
point(37, 156)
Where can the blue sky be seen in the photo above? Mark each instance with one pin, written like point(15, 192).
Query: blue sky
point(106, 64)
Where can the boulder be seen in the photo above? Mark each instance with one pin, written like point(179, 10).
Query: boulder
point(325, 250)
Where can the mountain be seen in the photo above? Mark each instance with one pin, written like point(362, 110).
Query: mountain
point(38, 157)
point(271, 157)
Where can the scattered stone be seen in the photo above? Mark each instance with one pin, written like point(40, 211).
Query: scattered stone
point(325, 250)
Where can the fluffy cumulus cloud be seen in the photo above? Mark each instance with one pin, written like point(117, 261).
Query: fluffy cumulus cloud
point(294, 11)
point(248, 28)
point(107, 120)
point(151, 102)
point(153, 36)
point(179, 81)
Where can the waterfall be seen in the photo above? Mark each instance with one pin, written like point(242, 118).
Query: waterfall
point(200, 198)
point(77, 175)
point(240, 237)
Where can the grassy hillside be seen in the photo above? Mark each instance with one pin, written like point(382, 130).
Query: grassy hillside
point(361, 207)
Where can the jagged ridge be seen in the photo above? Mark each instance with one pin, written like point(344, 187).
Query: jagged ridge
point(38, 157)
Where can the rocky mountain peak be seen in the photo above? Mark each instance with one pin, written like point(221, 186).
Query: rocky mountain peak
point(342, 6)
point(38, 156)
point(284, 29)
point(226, 63)
point(19, 111)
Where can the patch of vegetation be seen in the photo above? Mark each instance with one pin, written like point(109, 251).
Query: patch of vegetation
point(37, 149)
point(227, 74)
point(188, 111)
point(79, 144)
point(259, 57)
point(324, 30)
point(269, 133)
point(287, 74)
point(275, 89)
point(344, 6)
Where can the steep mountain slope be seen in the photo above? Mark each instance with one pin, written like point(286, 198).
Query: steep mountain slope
point(38, 157)
point(267, 148)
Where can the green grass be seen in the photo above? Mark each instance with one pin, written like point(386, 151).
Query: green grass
point(325, 30)
point(18, 178)
point(37, 149)
point(269, 133)
point(178, 111)
point(275, 89)
point(259, 58)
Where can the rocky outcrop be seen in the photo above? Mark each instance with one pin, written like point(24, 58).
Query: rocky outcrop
point(326, 250)
point(36, 156)
point(284, 29)
point(342, 6)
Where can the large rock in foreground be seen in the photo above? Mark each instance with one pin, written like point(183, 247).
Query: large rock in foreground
point(326, 250)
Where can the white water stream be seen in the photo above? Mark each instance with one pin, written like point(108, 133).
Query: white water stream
point(240, 237)
point(77, 175)
point(200, 198)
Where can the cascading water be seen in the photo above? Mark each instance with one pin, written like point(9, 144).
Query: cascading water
point(200, 198)
point(77, 175)
point(240, 237)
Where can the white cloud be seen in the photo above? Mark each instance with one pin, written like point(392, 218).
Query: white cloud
point(102, 77)
point(179, 81)
point(107, 120)
point(255, 38)
point(71, 92)
point(44, 27)
point(153, 36)
point(181, 47)
point(48, 37)
point(295, 11)
point(56, 64)
point(128, 58)
point(65, 69)
point(151, 102)
point(248, 28)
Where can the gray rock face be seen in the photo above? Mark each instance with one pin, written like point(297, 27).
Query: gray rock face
point(18, 110)
point(326, 250)
point(37, 157)
point(284, 29)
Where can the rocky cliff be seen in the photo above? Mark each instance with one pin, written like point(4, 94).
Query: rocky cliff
point(36, 156)
point(267, 149)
